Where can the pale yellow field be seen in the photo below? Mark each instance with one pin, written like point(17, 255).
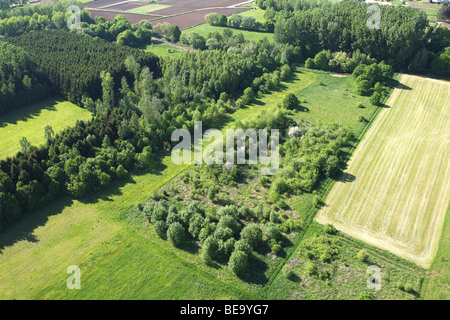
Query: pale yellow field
point(395, 191)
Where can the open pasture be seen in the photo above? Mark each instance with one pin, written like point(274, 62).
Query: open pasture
point(31, 121)
point(395, 191)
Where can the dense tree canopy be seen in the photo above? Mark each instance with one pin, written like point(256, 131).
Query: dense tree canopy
point(75, 72)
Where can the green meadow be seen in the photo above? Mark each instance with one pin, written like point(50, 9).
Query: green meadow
point(164, 50)
point(204, 29)
point(30, 122)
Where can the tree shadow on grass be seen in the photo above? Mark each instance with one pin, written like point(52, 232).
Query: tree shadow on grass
point(399, 85)
point(256, 273)
point(23, 228)
point(115, 188)
point(28, 112)
point(346, 177)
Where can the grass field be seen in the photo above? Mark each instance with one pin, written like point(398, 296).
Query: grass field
point(164, 50)
point(327, 98)
point(204, 29)
point(395, 192)
point(436, 285)
point(258, 14)
point(31, 121)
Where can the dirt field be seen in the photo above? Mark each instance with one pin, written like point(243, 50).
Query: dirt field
point(184, 13)
point(126, 6)
point(132, 17)
point(188, 20)
point(395, 191)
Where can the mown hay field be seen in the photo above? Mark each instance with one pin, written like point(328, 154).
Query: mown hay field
point(395, 192)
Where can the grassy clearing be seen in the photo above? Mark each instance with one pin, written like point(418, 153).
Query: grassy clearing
point(31, 121)
point(258, 14)
point(436, 285)
point(149, 8)
point(164, 50)
point(395, 192)
point(347, 275)
point(327, 98)
point(204, 29)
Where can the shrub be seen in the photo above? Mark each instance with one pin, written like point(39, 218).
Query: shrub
point(238, 262)
point(274, 217)
point(408, 287)
point(228, 221)
point(360, 105)
point(253, 234)
point(244, 246)
point(160, 228)
point(176, 234)
point(309, 63)
point(375, 99)
point(365, 295)
point(362, 255)
point(121, 172)
point(210, 250)
point(311, 268)
point(290, 102)
point(282, 204)
point(272, 232)
point(330, 229)
point(223, 233)
point(287, 272)
point(275, 247)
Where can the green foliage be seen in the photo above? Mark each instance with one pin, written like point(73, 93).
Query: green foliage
point(253, 235)
point(365, 295)
point(176, 234)
point(290, 102)
point(160, 228)
point(287, 272)
point(210, 250)
point(238, 262)
point(321, 247)
point(56, 49)
point(308, 27)
point(375, 99)
point(330, 229)
point(362, 255)
point(441, 64)
point(19, 84)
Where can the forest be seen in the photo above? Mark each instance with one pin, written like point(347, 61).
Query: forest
point(57, 57)
point(19, 79)
point(404, 40)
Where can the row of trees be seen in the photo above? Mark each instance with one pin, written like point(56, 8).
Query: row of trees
point(73, 72)
point(342, 27)
point(239, 22)
point(268, 54)
point(18, 79)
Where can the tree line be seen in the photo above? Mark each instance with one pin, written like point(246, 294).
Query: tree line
point(237, 21)
point(404, 39)
point(73, 72)
point(18, 78)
